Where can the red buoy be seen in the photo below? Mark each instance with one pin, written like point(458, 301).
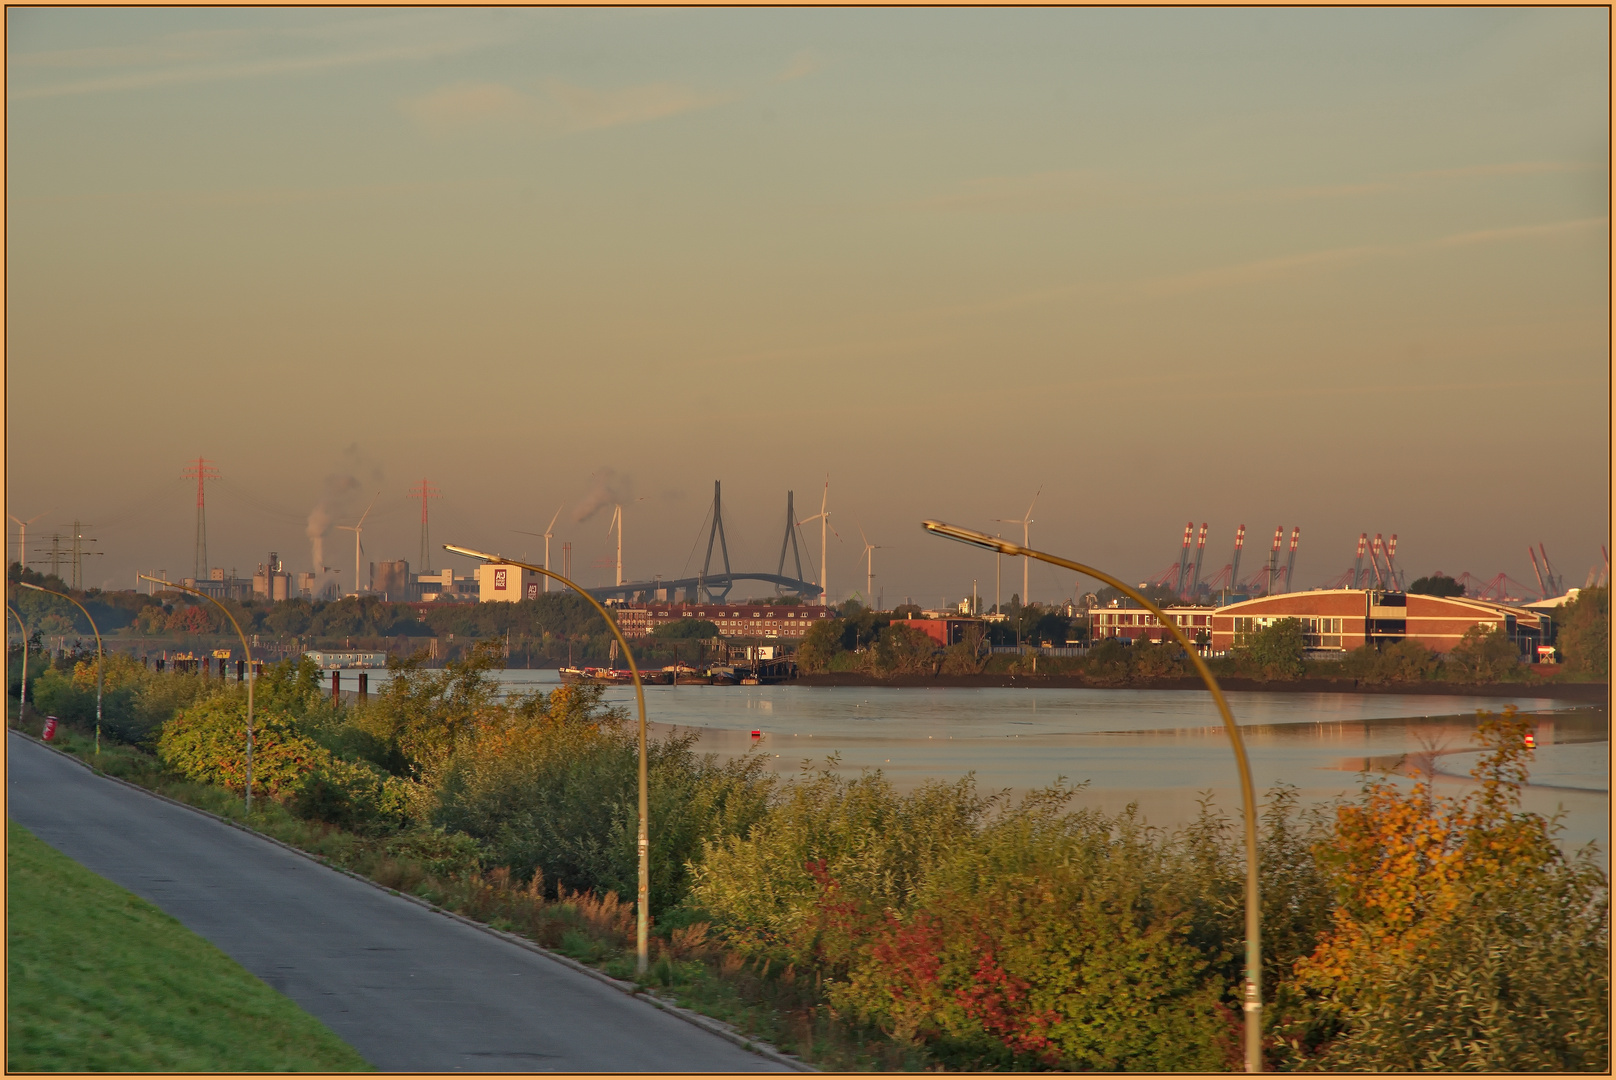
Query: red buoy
point(757, 734)
point(1531, 741)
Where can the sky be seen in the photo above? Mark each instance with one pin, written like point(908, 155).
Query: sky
point(1341, 269)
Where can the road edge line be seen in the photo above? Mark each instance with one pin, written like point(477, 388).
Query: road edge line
point(706, 1023)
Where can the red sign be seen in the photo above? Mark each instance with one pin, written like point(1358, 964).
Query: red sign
point(50, 728)
point(533, 590)
point(499, 578)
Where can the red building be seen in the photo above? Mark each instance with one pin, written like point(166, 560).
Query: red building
point(1339, 620)
point(1132, 623)
point(732, 620)
point(944, 631)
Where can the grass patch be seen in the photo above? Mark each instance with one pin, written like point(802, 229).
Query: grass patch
point(99, 980)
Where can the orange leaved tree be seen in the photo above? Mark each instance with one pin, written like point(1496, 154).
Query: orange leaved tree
point(1462, 938)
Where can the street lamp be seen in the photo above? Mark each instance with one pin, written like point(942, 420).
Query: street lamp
point(97, 631)
point(22, 698)
point(1253, 989)
point(250, 674)
point(642, 928)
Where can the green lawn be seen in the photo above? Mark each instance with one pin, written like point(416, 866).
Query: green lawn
point(101, 981)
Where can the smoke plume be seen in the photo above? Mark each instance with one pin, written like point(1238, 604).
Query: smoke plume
point(607, 487)
point(343, 492)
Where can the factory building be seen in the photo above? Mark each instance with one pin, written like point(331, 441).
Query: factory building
point(502, 581)
point(732, 620)
point(1340, 620)
point(390, 580)
point(272, 582)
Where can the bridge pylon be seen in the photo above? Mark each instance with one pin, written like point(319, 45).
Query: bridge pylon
point(716, 533)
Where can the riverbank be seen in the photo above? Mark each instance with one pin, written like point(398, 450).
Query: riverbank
point(1568, 691)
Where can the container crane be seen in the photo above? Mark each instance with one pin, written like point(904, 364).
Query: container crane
point(1543, 591)
point(1184, 559)
point(1273, 558)
point(1357, 566)
point(1234, 564)
point(1200, 549)
point(1290, 565)
point(1556, 583)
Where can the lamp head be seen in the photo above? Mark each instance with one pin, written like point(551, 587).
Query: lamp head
point(26, 585)
point(971, 536)
point(483, 555)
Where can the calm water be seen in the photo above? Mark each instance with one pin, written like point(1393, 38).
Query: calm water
point(1158, 748)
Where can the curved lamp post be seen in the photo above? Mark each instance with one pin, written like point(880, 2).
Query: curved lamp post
point(22, 698)
point(642, 928)
point(251, 675)
point(98, 665)
point(1253, 989)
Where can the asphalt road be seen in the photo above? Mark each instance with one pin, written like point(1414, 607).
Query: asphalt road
point(408, 988)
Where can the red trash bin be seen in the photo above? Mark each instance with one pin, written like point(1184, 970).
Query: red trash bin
point(50, 728)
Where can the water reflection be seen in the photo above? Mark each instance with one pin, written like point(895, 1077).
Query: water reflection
point(1160, 749)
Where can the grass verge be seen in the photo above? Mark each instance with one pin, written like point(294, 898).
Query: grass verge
point(99, 980)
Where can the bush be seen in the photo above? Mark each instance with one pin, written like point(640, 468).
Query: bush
point(1273, 652)
point(1051, 938)
point(208, 743)
point(763, 887)
point(1584, 635)
point(1109, 663)
point(1484, 655)
point(1462, 938)
point(1160, 661)
point(437, 851)
point(902, 650)
point(1397, 662)
point(554, 790)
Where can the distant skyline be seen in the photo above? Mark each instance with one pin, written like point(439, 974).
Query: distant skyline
point(1343, 269)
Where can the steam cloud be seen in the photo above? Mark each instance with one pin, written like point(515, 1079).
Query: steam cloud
point(607, 487)
point(342, 491)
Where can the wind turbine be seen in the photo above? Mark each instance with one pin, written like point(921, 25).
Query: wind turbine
point(22, 538)
point(1026, 540)
point(823, 517)
point(547, 533)
point(617, 520)
point(357, 531)
point(869, 564)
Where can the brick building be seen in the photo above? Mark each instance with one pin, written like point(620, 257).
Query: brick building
point(1133, 623)
point(732, 620)
point(1339, 620)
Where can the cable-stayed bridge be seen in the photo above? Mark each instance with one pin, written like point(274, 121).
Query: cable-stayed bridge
point(712, 585)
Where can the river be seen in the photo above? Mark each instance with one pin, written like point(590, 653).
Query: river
point(1159, 748)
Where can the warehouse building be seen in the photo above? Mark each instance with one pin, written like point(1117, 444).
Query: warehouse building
point(1340, 620)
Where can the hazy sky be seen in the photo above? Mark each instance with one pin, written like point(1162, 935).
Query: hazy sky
point(1342, 269)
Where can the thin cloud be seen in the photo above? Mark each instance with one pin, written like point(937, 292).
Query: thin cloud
point(801, 66)
point(1069, 189)
point(587, 109)
point(1288, 265)
point(146, 80)
point(560, 107)
point(1260, 270)
point(1515, 168)
point(223, 55)
point(468, 105)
